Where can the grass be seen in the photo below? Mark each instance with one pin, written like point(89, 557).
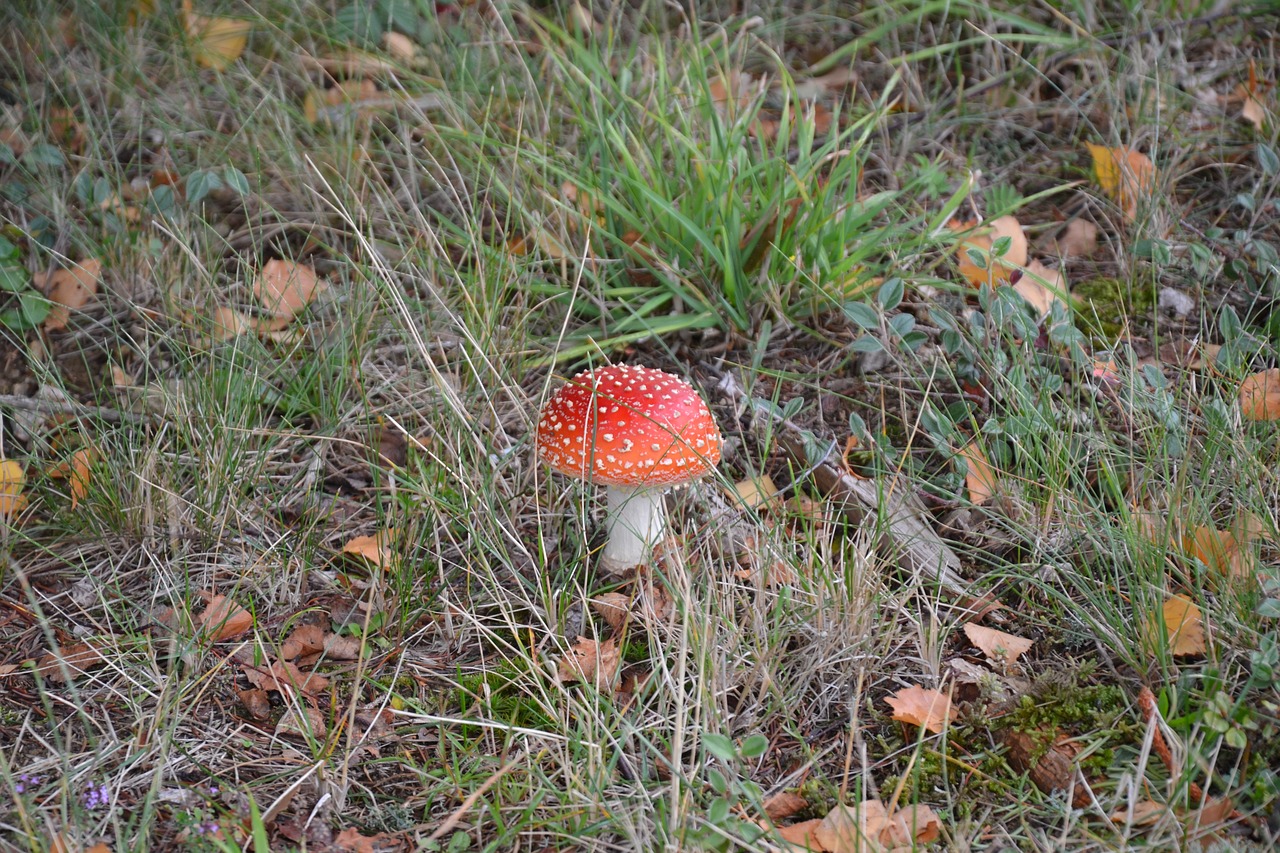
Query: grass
point(533, 192)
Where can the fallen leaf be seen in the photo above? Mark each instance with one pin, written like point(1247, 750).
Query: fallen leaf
point(378, 549)
point(285, 287)
point(1124, 174)
point(1183, 626)
point(783, 805)
point(69, 290)
point(870, 828)
point(1220, 550)
point(340, 647)
point(286, 678)
point(1051, 769)
point(802, 835)
point(255, 702)
point(590, 661)
point(301, 721)
point(980, 478)
point(1079, 239)
point(76, 471)
point(998, 270)
point(304, 640)
point(399, 45)
point(77, 659)
point(930, 709)
point(223, 619)
point(755, 493)
point(1260, 396)
point(215, 42)
point(12, 478)
point(1208, 820)
point(350, 92)
point(1041, 286)
point(996, 645)
point(1251, 109)
point(1141, 813)
point(228, 323)
point(615, 609)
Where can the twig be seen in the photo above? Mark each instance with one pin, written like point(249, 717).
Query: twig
point(67, 407)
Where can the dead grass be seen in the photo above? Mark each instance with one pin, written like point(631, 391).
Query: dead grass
point(464, 282)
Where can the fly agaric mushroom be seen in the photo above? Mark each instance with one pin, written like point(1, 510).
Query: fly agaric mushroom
point(637, 431)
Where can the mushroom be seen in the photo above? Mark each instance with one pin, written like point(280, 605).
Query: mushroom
point(637, 431)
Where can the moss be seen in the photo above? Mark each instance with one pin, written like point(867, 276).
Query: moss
point(1113, 305)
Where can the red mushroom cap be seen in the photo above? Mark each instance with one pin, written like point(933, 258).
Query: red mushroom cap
point(628, 426)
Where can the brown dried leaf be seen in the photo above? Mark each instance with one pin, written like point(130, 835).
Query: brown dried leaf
point(223, 619)
point(1051, 770)
point(755, 493)
point(615, 609)
point(69, 290)
point(1143, 813)
point(783, 805)
point(255, 702)
point(227, 323)
point(339, 647)
point(870, 828)
point(996, 645)
point(78, 659)
point(1260, 396)
point(304, 640)
point(920, 707)
point(590, 661)
point(301, 721)
point(284, 288)
point(980, 479)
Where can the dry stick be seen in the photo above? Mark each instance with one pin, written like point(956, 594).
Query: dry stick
point(904, 537)
point(66, 407)
point(452, 820)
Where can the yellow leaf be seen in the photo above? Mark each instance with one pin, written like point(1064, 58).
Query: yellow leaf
point(12, 478)
point(755, 493)
point(981, 477)
point(1183, 626)
point(215, 42)
point(76, 471)
point(1124, 174)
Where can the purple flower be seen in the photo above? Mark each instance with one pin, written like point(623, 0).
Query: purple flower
point(95, 796)
point(25, 781)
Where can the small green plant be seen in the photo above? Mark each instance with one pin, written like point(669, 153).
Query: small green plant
point(22, 307)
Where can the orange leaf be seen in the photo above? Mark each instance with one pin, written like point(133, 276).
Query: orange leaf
point(285, 288)
point(69, 290)
point(1079, 239)
point(1000, 269)
point(870, 827)
point(980, 479)
point(930, 709)
point(590, 661)
point(783, 805)
point(802, 835)
point(1124, 174)
point(12, 478)
point(377, 549)
point(996, 645)
point(223, 619)
point(1183, 626)
point(228, 323)
point(1260, 396)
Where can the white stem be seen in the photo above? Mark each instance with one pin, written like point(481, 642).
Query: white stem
point(634, 525)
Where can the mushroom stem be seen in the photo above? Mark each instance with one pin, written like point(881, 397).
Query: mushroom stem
point(634, 525)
